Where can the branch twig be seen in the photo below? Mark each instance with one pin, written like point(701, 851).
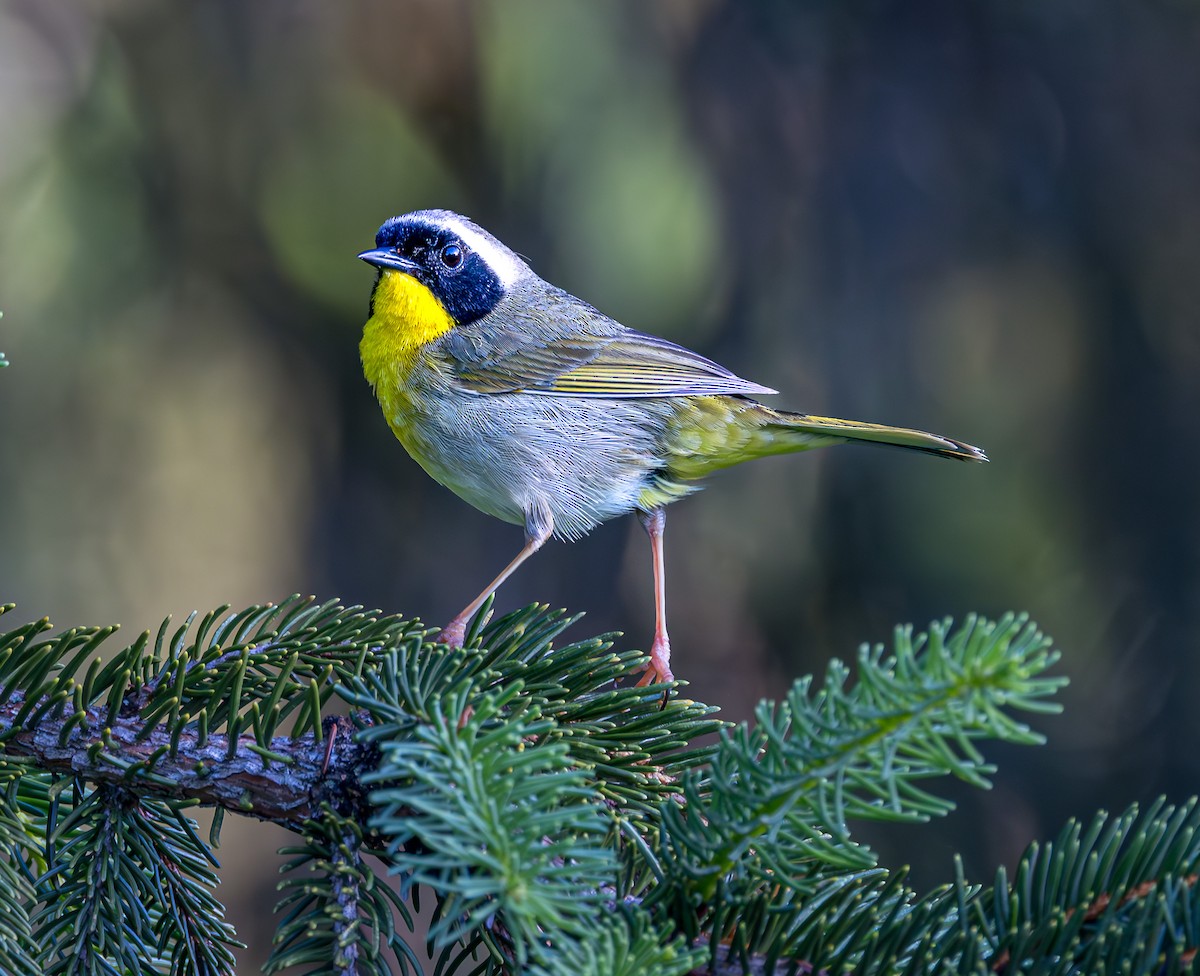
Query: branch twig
point(285, 792)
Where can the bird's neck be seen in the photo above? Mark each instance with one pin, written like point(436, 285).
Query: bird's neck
point(405, 317)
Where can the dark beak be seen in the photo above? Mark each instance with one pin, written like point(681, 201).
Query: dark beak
point(385, 257)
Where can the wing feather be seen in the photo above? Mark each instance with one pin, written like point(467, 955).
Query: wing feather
point(557, 345)
point(629, 364)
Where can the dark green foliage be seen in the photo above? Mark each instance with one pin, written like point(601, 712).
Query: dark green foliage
point(559, 822)
point(622, 944)
point(634, 748)
point(248, 672)
point(1110, 894)
point(127, 887)
point(23, 797)
point(790, 783)
point(339, 917)
point(499, 822)
point(509, 766)
point(763, 840)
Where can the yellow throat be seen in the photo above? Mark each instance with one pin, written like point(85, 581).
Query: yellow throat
point(405, 317)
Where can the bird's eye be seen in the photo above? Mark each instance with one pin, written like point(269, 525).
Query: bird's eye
point(452, 255)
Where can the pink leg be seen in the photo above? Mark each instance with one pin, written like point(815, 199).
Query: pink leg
point(659, 668)
point(537, 531)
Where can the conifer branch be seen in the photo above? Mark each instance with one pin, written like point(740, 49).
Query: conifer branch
point(282, 789)
point(564, 824)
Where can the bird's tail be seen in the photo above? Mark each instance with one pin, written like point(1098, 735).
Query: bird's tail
point(804, 431)
point(706, 434)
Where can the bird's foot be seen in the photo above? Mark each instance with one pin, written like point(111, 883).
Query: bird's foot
point(659, 669)
point(454, 633)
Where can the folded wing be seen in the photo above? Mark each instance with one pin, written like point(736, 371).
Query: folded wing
point(628, 364)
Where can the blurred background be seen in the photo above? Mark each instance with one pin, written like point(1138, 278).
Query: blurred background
point(981, 219)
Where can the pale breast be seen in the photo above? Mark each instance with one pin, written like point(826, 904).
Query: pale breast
point(585, 461)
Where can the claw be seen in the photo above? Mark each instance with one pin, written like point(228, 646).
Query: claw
point(454, 633)
point(658, 671)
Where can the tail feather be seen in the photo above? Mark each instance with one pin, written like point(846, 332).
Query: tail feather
point(864, 433)
point(705, 434)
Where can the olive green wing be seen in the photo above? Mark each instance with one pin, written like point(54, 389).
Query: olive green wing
point(622, 365)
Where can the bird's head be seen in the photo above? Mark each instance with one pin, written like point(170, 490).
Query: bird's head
point(443, 256)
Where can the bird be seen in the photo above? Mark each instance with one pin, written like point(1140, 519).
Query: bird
point(542, 411)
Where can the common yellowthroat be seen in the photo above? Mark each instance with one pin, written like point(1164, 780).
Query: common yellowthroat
point(542, 411)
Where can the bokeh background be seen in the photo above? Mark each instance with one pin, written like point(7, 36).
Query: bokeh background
point(978, 218)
